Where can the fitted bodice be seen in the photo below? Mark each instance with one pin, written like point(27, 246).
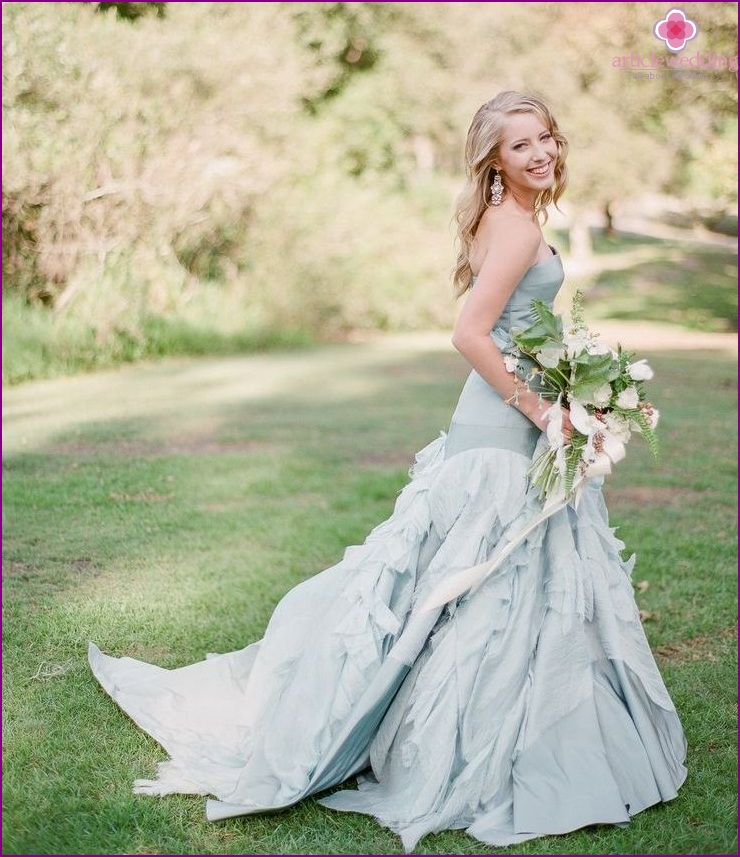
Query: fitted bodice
point(482, 418)
point(542, 283)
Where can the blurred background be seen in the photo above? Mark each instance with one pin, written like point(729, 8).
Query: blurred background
point(191, 178)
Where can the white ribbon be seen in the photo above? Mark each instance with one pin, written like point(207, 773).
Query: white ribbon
point(599, 464)
point(470, 578)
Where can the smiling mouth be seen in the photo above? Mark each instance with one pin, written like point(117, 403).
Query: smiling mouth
point(541, 171)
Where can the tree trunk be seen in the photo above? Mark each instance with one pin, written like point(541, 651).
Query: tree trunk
point(609, 230)
point(580, 238)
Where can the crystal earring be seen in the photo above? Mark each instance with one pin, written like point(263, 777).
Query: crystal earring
point(497, 189)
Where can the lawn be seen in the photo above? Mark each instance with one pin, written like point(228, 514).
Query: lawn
point(162, 509)
point(639, 278)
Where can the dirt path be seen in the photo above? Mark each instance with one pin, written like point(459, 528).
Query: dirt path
point(640, 336)
point(649, 336)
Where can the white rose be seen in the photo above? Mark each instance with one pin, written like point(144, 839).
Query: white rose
point(640, 371)
point(550, 356)
point(618, 425)
point(628, 398)
point(602, 396)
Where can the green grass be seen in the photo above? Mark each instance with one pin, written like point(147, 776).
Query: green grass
point(675, 285)
point(631, 277)
point(162, 510)
point(37, 343)
point(640, 278)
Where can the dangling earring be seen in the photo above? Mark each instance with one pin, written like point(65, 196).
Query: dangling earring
point(497, 189)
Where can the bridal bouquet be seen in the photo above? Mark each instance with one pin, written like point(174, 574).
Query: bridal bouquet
point(602, 389)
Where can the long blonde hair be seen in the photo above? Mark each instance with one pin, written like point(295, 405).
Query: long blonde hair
point(481, 151)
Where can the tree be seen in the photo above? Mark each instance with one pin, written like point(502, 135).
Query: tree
point(625, 130)
point(133, 11)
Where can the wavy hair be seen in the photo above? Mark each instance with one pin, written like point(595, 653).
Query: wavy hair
point(481, 151)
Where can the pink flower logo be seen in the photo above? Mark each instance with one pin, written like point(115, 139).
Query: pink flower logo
point(675, 30)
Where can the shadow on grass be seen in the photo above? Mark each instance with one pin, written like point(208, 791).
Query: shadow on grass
point(641, 278)
point(692, 288)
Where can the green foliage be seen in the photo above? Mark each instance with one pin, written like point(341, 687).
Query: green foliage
point(590, 372)
point(134, 11)
point(547, 330)
point(628, 133)
point(646, 430)
point(37, 344)
point(710, 174)
point(567, 367)
point(344, 39)
point(301, 159)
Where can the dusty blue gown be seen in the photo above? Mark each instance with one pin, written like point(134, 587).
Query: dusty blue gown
point(530, 705)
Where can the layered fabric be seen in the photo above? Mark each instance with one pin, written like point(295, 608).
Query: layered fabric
point(529, 705)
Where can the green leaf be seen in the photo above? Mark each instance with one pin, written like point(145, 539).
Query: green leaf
point(589, 376)
point(547, 328)
point(646, 430)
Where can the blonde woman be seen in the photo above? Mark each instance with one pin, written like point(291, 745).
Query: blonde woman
point(529, 705)
point(515, 159)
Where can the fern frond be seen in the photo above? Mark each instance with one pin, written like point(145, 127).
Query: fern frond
point(646, 430)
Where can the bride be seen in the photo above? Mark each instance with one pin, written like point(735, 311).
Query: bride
point(529, 705)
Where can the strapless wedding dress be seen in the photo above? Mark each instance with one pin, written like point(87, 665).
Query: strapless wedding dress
point(531, 705)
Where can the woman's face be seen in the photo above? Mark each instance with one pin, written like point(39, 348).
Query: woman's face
point(527, 153)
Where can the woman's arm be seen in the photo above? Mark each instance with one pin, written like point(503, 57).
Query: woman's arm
point(510, 250)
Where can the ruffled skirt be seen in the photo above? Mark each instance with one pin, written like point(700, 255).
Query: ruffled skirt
point(531, 705)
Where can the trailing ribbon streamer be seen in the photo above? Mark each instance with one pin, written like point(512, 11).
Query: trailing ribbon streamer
point(470, 578)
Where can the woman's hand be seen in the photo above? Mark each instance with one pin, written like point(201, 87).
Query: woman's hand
point(567, 427)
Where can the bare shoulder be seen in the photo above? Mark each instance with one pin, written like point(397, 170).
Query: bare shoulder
point(503, 232)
